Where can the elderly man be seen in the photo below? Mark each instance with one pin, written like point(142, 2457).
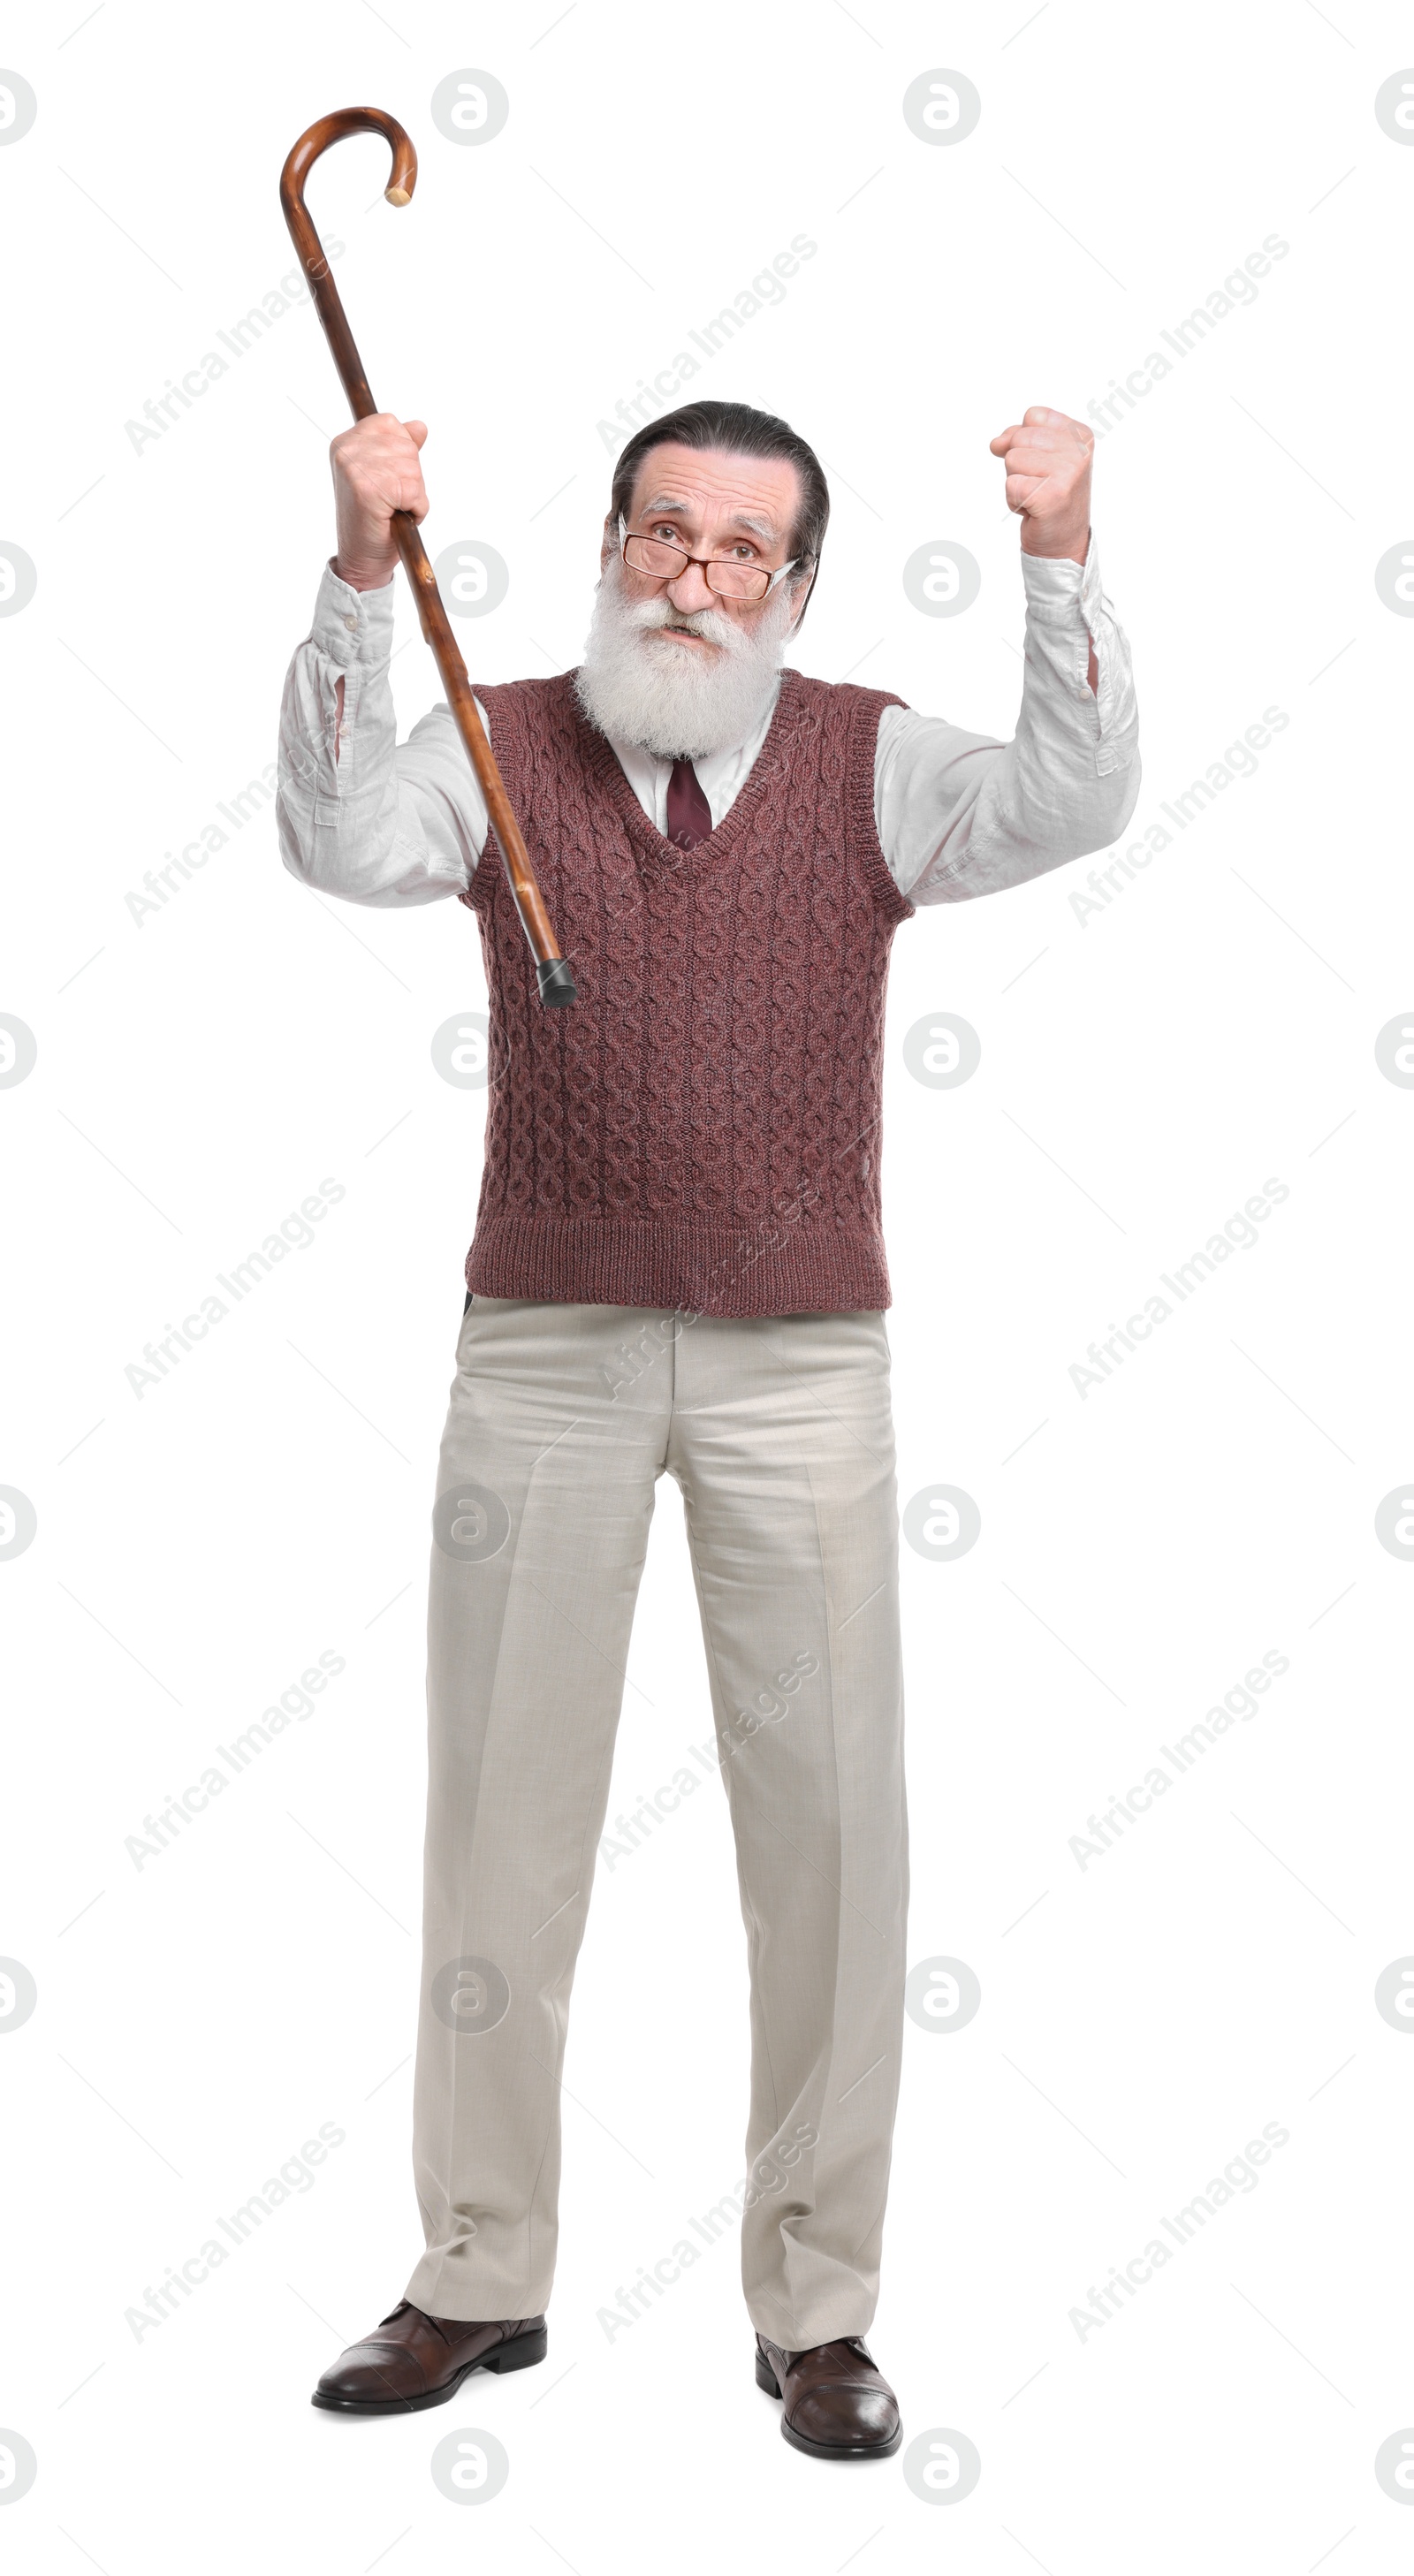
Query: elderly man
point(678, 1265)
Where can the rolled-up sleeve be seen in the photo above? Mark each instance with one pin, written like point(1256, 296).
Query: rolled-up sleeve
point(962, 814)
point(361, 815)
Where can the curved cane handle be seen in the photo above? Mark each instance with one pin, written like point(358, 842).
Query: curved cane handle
point(554, 975)
point(401, 183)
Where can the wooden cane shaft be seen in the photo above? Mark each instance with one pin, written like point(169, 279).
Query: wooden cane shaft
point(529, 902)
point(520, 875)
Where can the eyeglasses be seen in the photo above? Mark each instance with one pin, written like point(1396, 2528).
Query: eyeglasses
point(660, 561)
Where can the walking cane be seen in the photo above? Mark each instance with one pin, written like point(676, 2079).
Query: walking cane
point(554, 973)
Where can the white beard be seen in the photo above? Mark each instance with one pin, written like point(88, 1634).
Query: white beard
point(675, 702)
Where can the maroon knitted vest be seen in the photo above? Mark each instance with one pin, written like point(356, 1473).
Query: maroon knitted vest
point(700, 1131)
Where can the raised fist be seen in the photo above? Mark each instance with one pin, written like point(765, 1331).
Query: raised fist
point(377, 470)
point(1048, 481)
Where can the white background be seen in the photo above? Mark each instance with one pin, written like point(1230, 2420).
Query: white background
point(1141, 1076)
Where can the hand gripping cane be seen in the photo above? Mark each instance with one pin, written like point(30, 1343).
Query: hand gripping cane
point(554, 974)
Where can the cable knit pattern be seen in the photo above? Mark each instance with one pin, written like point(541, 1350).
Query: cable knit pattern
point(701, 1130)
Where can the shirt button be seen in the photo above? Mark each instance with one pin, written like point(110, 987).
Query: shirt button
point(352, 625)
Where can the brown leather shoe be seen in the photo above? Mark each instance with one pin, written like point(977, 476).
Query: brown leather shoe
point(838, 2405)
point(412, 2360)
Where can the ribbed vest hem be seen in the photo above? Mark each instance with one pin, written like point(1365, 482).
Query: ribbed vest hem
point(687, 1268)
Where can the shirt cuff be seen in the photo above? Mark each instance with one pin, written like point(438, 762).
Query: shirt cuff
point(1060, 592)
point(352, 626)
point(1067, 600)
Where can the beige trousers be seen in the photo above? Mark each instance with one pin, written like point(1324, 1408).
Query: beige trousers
point(778, 1431)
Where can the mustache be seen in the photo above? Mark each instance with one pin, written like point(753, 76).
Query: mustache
point(652, 616)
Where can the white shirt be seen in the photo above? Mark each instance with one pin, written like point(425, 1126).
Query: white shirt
point(958, 814)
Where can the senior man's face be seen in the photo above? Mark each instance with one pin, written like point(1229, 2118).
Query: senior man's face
point(741, 508)
point(672, 663)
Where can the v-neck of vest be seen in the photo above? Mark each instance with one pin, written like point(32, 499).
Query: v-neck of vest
point(718, 842)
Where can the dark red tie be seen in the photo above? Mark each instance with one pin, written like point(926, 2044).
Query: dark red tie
point(689, 814)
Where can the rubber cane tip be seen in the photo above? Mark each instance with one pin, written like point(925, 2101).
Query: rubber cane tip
point(557, 985)
point(398, 196)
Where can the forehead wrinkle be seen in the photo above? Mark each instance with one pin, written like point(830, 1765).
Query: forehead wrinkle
point(759, 526)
